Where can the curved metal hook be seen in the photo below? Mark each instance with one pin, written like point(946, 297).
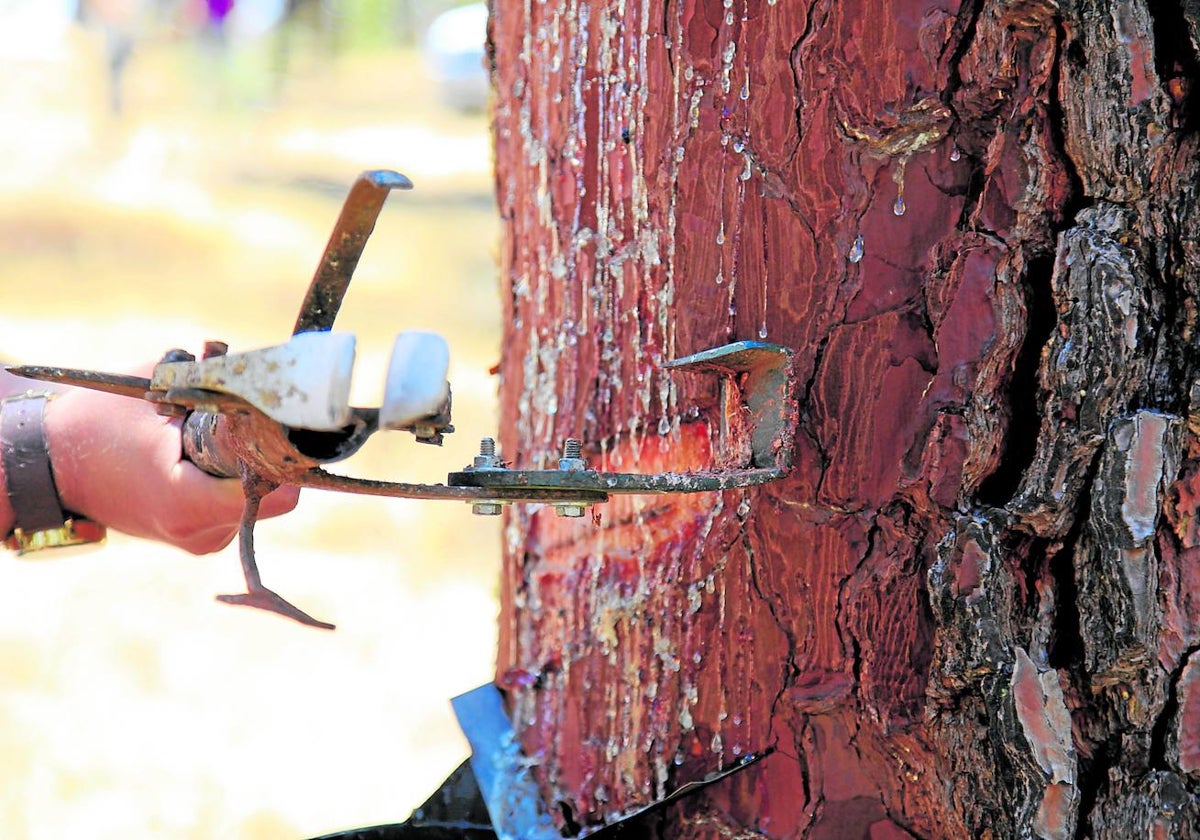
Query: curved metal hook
point(345, 247)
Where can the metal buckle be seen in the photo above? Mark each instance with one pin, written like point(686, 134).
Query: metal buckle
point(74, 532)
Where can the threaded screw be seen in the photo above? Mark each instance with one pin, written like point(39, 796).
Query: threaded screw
point(487, 458)
point(572, 456)
point(571, 461)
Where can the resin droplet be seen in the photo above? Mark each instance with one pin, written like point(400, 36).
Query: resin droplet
point(721, 234)
point(762, 332)
point(955, 154)
point(856, 250)
point(899, 207)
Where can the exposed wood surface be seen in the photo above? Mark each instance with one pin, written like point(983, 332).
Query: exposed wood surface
point(973, 609)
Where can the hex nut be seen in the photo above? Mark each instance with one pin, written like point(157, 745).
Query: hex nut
point(572, 456)
point(487, 459)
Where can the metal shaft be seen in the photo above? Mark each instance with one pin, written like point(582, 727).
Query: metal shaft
point(345, 247)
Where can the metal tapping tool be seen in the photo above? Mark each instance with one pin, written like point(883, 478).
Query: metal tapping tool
point(275, 416)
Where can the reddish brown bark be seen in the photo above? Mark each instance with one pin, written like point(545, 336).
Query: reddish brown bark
point(969, 610)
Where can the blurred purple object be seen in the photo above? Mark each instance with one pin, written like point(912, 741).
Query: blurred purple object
point(218, 10)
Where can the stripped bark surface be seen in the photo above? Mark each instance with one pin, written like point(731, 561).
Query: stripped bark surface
point(973, 608)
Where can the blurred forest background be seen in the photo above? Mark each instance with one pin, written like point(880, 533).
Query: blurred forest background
point(169, 173)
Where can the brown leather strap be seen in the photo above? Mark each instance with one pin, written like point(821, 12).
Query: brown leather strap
point(26, 459)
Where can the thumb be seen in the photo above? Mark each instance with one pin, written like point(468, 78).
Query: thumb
point(279, 501)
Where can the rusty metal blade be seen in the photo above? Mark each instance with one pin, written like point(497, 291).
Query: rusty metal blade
point(345, 246)
point(113, 383)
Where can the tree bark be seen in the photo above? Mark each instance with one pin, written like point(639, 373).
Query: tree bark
point(973, 607)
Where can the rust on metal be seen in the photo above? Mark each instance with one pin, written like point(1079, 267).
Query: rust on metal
point(558, 481)
point(345, 247)
point(125, 386)
point(274, 417)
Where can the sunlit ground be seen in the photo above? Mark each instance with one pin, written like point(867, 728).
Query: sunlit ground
point(131, 704)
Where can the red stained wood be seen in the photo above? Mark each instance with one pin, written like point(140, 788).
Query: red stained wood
point(1189, 717)
point(879, 186)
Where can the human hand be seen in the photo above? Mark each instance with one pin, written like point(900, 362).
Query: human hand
point(119, 463)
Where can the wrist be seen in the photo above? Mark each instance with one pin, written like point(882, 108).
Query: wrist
point(7, 516)
point(39, 517)
point(62, 444)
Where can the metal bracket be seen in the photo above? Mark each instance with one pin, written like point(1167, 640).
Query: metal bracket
point(760, 372)
point(755, 379)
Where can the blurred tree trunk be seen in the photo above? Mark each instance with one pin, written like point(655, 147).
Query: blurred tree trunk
point(973, 609)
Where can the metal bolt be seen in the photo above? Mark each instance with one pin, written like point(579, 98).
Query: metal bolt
point(167, 409)
point(177, 355)
point(572, 460)
point(487, 458)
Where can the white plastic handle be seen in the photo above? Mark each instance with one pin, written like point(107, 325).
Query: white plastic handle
point(416, 379)
point(304, 384)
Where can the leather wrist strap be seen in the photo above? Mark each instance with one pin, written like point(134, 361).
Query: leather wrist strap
point(26, 458)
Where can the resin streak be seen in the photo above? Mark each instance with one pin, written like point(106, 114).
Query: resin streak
point(897, 191)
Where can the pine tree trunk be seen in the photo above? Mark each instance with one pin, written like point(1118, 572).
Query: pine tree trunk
point(973, 608)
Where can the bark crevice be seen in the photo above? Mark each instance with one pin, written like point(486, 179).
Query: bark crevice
point(1177, 57)
point(1025, 417)
point(985, 262)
